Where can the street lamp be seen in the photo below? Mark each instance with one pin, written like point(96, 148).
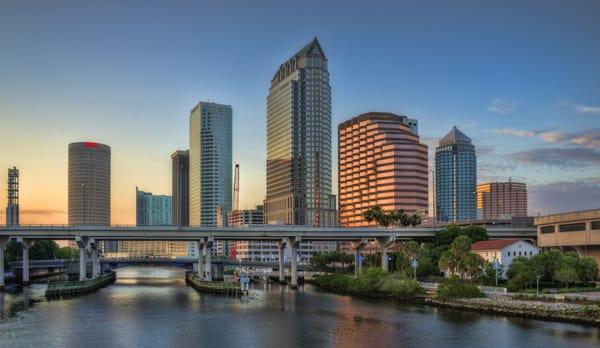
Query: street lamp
point(414, 263)
point(496, 266)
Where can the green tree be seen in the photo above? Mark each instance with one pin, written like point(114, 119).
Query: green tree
point(587, 268)
point(372, 260)
point(473, 265)
point(43, 250)
point(445, 237)
point(546, 263)
point(567, 270)
point(455, 258)
point(67, 253)
point(521, 274)
point(476, 233)
point(387, 219)
point(332, 261)
point(488, 276)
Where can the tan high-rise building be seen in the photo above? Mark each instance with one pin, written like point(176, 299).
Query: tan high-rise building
point(89, 184)
point(501, 200)
point(380, 162)
point(89, 187)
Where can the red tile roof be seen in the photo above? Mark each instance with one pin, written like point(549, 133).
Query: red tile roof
point(493, 244)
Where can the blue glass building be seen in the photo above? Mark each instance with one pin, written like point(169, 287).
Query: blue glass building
point(455, 178)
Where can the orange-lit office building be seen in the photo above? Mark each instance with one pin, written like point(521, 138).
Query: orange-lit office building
point(380, 162)
point(501, 200)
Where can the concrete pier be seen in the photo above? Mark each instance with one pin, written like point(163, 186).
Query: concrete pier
point(26, 244)
point(200, 247)
point(208, 249)
point(3, 242)
point(358, 248)
point(281, 248)
point(294, 245)
point(384, 244)
point(82, 242)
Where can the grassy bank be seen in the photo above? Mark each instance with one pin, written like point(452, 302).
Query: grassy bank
point(456, 295)
point(372, 283)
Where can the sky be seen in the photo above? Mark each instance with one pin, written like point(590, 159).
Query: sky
point(521, 78)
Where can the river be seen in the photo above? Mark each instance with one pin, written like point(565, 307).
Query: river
point(152, 307)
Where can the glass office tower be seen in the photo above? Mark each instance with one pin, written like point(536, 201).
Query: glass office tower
point(455, 178)
point(299, 142)
point(210, 162)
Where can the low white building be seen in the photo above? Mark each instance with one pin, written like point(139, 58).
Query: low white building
point(504, 250)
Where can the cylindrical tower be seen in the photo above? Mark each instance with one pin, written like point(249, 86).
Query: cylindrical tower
point(89, 184)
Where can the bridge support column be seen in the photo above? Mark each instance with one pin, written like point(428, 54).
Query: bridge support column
point(200, 246)
point(358, 248)
point(25, 245)
point(95, 259)
point(3, 242)
point(384, 244)
point(294, 245)
point(82, 242)
point(208, 248)
point(281, 248)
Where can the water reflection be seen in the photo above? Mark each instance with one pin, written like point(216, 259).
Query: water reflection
point(153, 307)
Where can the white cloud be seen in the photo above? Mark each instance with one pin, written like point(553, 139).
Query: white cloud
point(552, 137)
point(585, 109)
point(522, 133)
point(502, 106)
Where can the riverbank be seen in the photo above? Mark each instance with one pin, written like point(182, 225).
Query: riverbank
point(374, 286)
point(541, 310)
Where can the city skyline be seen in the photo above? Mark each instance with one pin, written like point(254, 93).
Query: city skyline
point(548, 139)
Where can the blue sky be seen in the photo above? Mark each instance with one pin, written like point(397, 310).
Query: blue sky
point(520, 77)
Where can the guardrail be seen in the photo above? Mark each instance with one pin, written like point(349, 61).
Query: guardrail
point(217, 287)
point(74, 288)
point(491, 290)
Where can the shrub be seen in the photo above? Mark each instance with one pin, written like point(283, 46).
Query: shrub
point(453, 288)
point(368, 280)
point(405, 288)
point(334, 282)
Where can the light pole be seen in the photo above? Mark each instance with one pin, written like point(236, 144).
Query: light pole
point(414, 263)
point(496, 266)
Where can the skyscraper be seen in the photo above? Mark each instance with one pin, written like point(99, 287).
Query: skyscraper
point(380, 162)
point(501, 200)
point(153, 210)
point(210, 162)
point(89, 187)
point(12, 208)
point(299, 142)
point(180, 178)
point(89, 184)
point(455, 177)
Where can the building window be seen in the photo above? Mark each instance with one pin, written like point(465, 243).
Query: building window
point(547, 229)
point(595, 225)
point(572, 227)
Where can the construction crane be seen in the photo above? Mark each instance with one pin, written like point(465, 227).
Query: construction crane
point(236, 188)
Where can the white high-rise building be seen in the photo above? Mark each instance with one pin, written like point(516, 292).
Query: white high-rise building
point(210, 162)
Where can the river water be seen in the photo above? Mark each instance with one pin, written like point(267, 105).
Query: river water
point(152, 307)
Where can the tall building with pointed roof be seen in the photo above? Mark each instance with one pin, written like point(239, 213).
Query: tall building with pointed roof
point(299, 142)
point(455, 178)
